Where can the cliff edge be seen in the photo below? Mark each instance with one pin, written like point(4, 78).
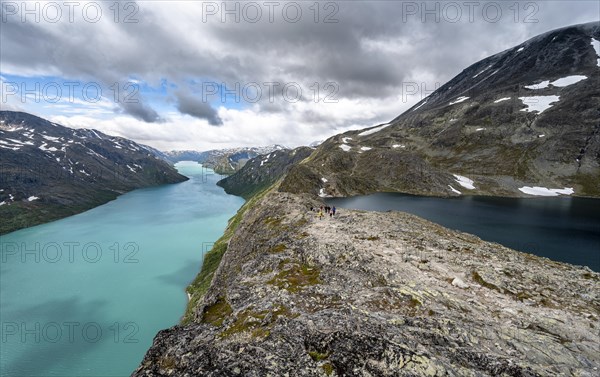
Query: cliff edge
point(377, 294)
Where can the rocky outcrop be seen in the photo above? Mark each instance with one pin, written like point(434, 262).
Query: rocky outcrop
point(261, 172)
point(49, 171)
point(489, 124)
point(378, 294)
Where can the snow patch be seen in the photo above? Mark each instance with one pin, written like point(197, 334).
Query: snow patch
point(559, 83)
point(398, 146)
point(542, 85)
point(459, 100)
point(538, 103)
point(502, 100)
point(365, 148)
point(11, 148)
point(464, 181)
point(596, 46)
point(345, 140)
point(324, 180)
point(95, 134)
point(32, 198)
point(543, 191)
point(521, 49)
point(455, 190)
point(569, 80)
point(479, 129)
point(345, 147)
point(10, 128)
point(50, 138)
point(322, 193)
point(416, 108)
point(488, 67)
point(542, 135)
point(43, 147)
point(373, 130)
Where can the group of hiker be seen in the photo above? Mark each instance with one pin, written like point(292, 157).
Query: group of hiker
point(324, 211)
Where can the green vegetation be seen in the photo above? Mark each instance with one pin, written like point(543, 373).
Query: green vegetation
point(369, 238)
point(167, 362)
point(273, 221)
point(590, 184)
point(296, 277)
point(328, 368)
point(216, 313)
point(277, 249)
point(258, 323)
point(318, 356)
point(212, 259)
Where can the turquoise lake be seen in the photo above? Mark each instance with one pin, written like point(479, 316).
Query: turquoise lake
point(85, 295)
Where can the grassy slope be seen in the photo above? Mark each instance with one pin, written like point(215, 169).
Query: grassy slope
point(212, 259)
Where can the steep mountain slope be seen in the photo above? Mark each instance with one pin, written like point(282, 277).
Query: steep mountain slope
point(528, 116)
point(223, 161)
point(262, 171)
point(49, 171)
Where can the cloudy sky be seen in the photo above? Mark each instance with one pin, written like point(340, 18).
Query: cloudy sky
point(213, 74)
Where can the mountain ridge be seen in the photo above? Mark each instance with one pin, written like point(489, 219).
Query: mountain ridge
point(49, 171)
point(531, 121)
point(223, 161)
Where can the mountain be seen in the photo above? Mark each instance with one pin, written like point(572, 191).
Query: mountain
point(222, 161)
point(284, 292)
point(262, 171)
point(49, 171)
point(526, 117)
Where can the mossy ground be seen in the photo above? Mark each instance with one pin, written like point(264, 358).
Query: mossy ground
point(296, 277)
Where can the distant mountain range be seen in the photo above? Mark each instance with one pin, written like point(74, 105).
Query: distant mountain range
point(522, 122)
point(48, 171)
point(262, 171)
point(222, 161)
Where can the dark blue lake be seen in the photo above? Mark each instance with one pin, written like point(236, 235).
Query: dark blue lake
point(562, 229)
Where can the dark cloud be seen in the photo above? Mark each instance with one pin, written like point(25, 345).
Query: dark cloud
point(141, 111)
point(194, 106)
point(370, 53)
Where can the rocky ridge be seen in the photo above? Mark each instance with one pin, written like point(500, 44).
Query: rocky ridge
point(378, 294)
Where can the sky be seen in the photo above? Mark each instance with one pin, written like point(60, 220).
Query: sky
point(216, 74)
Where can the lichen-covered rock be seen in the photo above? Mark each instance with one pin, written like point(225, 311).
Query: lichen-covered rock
point(378, 294)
